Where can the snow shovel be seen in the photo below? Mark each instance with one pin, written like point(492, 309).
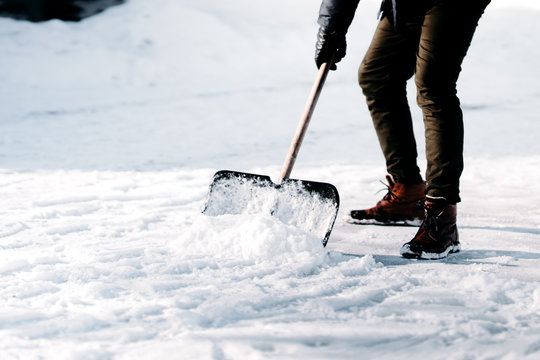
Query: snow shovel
point(307, 205)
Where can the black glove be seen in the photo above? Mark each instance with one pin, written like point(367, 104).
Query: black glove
point(329, 43)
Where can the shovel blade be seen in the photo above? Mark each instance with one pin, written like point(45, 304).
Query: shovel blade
point(308, 205)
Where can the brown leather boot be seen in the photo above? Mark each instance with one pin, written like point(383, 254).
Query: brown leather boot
point(438, 234)
point(402, 203)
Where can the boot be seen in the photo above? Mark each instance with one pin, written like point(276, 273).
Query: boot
point(402, 203)
point(438, 234)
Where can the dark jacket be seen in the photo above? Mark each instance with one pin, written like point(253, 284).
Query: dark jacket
point(337, 15)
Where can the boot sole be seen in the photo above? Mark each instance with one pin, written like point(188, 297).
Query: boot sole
point(398, 222)
point(407, 253)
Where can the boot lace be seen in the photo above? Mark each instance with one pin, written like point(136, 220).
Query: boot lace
point(429, 225)
point(390, 194)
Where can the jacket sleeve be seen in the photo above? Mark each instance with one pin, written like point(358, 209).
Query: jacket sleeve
point(337, 15)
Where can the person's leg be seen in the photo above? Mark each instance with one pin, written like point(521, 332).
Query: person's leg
point(445, 38)
point(387, 65)
point(383, 74)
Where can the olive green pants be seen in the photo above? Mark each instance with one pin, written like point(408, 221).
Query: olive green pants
point(430, 44)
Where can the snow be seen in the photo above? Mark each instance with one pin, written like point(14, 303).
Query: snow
point(310, 207)
point(112, 128)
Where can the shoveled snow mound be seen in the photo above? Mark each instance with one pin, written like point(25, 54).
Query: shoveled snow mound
point(258, 238)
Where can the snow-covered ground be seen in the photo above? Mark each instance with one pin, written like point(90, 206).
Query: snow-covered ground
point(111, 129)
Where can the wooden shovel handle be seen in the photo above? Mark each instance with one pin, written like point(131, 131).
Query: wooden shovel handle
point(304, 121)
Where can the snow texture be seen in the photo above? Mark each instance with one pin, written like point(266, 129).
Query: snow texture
point(111, 130)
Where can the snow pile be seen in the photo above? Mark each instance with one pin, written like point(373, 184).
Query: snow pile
point(258, 238)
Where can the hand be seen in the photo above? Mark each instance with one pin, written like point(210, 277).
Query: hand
point(329, 43)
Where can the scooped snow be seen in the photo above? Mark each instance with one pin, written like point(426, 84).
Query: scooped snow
point(111, 130)
point(311, 211)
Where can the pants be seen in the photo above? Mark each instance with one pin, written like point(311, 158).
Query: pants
point(431, 44)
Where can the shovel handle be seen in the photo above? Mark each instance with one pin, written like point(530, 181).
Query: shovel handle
point(304, 121)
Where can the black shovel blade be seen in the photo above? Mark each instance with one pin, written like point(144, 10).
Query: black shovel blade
point(308, 205)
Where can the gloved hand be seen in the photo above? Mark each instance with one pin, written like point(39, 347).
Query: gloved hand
point(329, 43)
